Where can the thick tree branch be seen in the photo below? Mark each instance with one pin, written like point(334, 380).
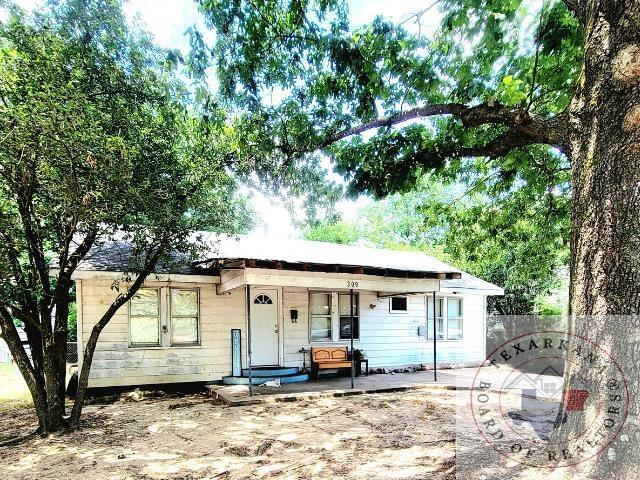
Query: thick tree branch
point(434, 157)
point(574, 7)
point(525, 128)
point(395, 119)
point(28, 307)
point(36, 253)
point(69, 262)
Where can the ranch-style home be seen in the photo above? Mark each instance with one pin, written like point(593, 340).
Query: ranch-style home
point(268, 304)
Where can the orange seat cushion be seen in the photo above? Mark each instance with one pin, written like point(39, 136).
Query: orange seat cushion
point(334, 364)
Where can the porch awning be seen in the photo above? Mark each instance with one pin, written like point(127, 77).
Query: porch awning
point(230, 279)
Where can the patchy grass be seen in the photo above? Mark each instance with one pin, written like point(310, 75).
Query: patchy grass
point(14, 394)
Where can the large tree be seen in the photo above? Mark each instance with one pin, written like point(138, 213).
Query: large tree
point(99, 141)
point(498, 87)
point(501, 87)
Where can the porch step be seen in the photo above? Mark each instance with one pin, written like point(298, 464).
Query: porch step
point(291, 378)
point(270, 371)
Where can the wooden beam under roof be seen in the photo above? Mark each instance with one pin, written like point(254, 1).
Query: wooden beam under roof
point(321, 267)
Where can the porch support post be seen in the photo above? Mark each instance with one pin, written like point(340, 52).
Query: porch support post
point(435, 373)
point(248, 290)
point(353, 360)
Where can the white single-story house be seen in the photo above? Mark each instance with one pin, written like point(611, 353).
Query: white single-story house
point(193, 322)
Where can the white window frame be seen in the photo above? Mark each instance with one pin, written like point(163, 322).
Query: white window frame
point(460, 318)
point(329, 295)
point(334, 300)
point(170, 318)
point(164, 320)
point(444, 316)
point(159, 314)
point(396, 312)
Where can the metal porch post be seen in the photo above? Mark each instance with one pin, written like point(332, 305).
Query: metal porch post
point(248, 290)
point(353, 372)
point(435, 373)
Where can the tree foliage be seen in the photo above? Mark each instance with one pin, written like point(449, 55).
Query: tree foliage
point(481, 102)
point(490, 82)
point(518, 242)
point(97, 137)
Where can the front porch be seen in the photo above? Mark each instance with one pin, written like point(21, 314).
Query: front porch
point(450, 379)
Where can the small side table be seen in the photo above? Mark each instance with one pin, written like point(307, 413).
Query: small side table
point(366, 362)
point(304, 352)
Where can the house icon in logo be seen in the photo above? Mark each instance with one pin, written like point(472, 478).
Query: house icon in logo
point(541, 395)
point(546, 385)
point(549, 383)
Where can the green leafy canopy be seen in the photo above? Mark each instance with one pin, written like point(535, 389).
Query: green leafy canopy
point(308, 78)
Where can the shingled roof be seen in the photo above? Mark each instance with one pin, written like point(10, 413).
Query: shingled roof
point(222, 251)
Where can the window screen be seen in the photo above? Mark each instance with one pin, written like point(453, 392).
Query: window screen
point(184, 317)
point(144, 318)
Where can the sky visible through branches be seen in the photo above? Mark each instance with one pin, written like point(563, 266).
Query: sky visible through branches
point(168, 21)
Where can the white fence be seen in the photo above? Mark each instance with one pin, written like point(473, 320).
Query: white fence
point(5, 354)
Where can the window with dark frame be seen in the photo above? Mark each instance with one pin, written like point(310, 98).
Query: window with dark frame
point(398, 304)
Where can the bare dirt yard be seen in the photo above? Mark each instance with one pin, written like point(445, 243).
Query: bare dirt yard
point(406, 435)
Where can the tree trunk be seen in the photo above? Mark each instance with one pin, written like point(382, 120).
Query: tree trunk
point(605, 154)
point(31, 376)
point(46, 377)
point(55, 382)
point(83, 376)
point(605, 243)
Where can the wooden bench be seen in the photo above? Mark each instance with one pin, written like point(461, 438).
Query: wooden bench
point(324, 358)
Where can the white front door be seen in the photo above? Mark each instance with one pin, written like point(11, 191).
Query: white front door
point(264, 327)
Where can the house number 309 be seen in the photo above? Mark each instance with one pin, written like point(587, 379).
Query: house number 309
point(351, 284)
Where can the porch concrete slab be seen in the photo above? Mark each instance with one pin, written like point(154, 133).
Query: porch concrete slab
point(237, 395)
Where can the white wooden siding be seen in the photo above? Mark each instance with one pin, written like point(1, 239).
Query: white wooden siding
point(388, 339)
point(115, 363)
